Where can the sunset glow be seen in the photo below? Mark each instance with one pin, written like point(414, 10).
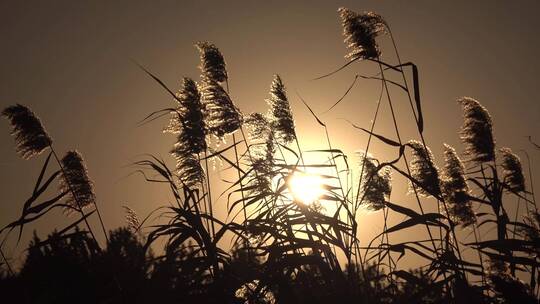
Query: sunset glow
point(305, 187)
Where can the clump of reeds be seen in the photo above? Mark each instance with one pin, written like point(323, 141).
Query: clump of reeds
point(376, 185)
point(454, 188)
point(477, 131)
point(31, 138)
point(512, 170)
point(360, 31)
point(76, 182)
point(423, 170)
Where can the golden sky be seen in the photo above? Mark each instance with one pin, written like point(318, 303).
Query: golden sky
point(70, 62)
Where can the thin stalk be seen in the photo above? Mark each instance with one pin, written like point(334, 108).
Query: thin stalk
point(239, 177)
point(209, 194)
point(476, 239)
point(204, 199)
point(416, 120)
point(396, 128)
point(405, 157)
point(516, 217)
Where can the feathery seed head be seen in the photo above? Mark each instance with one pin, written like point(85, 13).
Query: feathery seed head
point(258, 125)
point(360, 31)
point(132, 219)
point(222, 116)
point(280, 112)
point(262, 158)
point(252, 292)
point(212, 63)
point(76, 182)
point(30, 136)
point(512, 170)
point(531, 232)
point(188, 120)
point(453, 172)
point(454, 188)
point(424, 170)
point(188, 169)
point(376, 184)
point(477, 131)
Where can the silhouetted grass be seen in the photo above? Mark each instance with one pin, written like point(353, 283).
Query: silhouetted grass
point(284, 250)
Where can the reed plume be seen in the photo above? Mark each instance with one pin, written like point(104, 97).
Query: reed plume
point(512, 170)
point(222, 116)
point(262, 158)
point(476, 131)
point(376, 184)
point(531, 231)
point(423, 170)
point(251, 292)
point(507, 288)
point(132, 219)
point(76, 182)
point(188, 120)
point(188, 168)
point(360, 31)
point(281, 116)
point(454, 188)
point(30, 136)
point(212, 63)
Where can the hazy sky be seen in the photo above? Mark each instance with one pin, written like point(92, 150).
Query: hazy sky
point(70, 62)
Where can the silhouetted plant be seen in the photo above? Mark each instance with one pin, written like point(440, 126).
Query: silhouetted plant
point(286, 250)
point(30, 135)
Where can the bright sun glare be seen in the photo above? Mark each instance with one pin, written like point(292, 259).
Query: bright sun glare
point(306, 188)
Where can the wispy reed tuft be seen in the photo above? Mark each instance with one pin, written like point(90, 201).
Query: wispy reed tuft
point(188, 168)
point(132, 219)
point(262, 156)
point(360, 31)
point(222, 116)
point(507, 288)
point(76, 182)
point(212, 63)
point(252, 292)
point(188, 119)
point(280, 112)
point(376, 184)
point(30, 136)
point(512, 170)
point(454, 188)
point(476, 131)
point(424, 170)
point(531, 231)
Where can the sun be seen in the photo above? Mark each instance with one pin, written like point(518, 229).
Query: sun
point(306, 188)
